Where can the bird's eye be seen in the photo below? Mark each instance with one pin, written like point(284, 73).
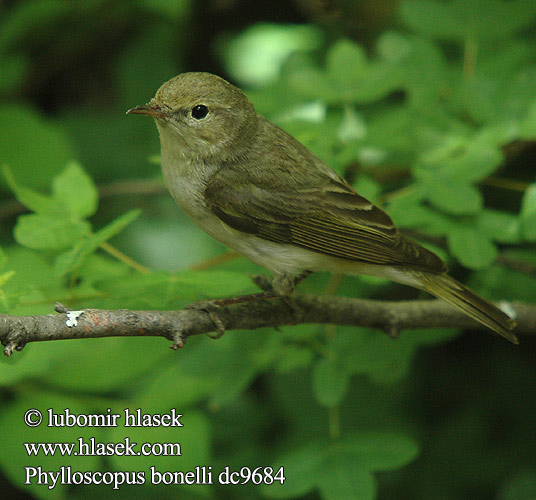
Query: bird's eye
point(199, 112)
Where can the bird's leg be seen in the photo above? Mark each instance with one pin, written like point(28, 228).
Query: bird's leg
point(283, 284)
point(211, 307)
point(281, 287)
point(263, 282)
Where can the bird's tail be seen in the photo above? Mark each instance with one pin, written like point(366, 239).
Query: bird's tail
point(448, 289)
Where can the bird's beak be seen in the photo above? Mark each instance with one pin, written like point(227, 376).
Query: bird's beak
point(150, 110)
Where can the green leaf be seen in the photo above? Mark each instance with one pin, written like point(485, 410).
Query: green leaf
point(528, 213)
point(478, 161)
point(471, 247)
point(432, 18)
point(68, 261)
point(505, 102)
point(330, 381)
point(46, 232)
point(157, 289)
point(463, 159)
point(499, 226)
point(5, 277)
point(352, 126)
point(235, 362)
point(27, 366)
point(368, 352)
point(311, 83)
point(373, 354)
point(410, 211)
point(193, 437)
point(76, 191)
point(478, 95)
point(116, 226)
point(419, 65)
point(381, 80)
point(302, 467)
point(353, 78)
point(161, 289)
point(342, 469)
point(196, 387)
point(452, 197)
point(13, 69)
point(293, 357)
point(103, 368)
point(31, 199)
point(255, 56)
point(528, 125)
point(380, 450)
point(211, 283)
point(32, 270)
point(500, 283)
point(459, 19)
point(35, 148)
point(74, 194)
point(348, 77)
point(346, 477)
point(346, 63)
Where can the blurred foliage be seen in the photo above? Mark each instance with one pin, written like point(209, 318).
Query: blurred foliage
point(432, 115)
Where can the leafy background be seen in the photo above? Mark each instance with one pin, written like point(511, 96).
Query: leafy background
point(428, 107)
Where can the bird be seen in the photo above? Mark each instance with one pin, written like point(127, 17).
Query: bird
point(259, 191)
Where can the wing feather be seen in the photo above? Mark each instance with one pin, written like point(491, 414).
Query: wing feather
point(331, 219)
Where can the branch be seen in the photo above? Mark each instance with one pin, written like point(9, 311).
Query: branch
point(177, 326)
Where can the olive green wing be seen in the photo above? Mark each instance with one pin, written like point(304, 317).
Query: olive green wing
point(331, 219)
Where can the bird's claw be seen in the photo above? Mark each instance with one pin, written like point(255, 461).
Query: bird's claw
point(263, 282)
point(210, 307)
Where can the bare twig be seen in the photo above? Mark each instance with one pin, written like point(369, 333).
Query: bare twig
point(391, 317)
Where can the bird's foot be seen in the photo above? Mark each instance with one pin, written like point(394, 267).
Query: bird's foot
point(282, 284)
point(282, 287)
point(263, 282)
point(210, 307)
